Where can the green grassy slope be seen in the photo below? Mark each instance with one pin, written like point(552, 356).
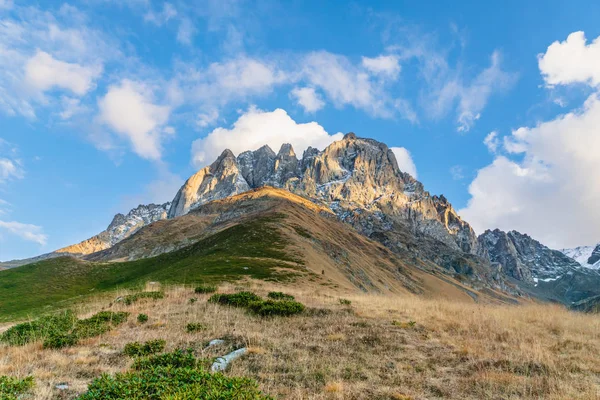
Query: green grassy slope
point(252, 248)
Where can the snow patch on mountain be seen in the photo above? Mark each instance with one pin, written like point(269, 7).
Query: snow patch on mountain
point(584, 254)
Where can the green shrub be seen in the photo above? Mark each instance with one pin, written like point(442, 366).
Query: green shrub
point(12, 388)
point(193, 300)
point(98, 324)
point(132, 298)
point(142, 318)
point(136, 349)
point(175, 359)
point(40, 328)
point(240, 299)
point(195, 327)
point(59, 340)
point(284, 308)
point(171, 383)
point(280, 296)
point(345, 302)
point(63, 329)
point(205, 289)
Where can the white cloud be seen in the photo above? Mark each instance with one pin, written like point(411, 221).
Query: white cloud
point(186, 31)
point(571, 61)
point(70, 107)
point(208, 118)
point(405, 161)
point(387, 66)
point(129, 110)
point(308, 98)
point(345, 83)
point(167, 13)
point(447, 88)
point(42, 50)
point(256, 128)
point(492, 142)
point(10, 169)
point(43, 72)
point(457, 172)
point(552, 193)
point(6, 4)
point(32, 233)
point(474, 96)
point(223, 82)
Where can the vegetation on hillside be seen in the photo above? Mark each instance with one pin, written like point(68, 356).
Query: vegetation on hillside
point(63, 329)
point(14, 388)
point(171, 376)
point(252, 248)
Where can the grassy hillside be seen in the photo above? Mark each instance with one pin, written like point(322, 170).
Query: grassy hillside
point(253, 248)
point(358, 347)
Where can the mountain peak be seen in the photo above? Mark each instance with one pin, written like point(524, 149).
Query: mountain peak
point(349, 136)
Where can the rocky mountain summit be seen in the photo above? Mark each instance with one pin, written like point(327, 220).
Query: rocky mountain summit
point(350, 174)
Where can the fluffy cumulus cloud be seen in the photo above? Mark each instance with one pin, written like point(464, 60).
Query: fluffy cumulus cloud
point(29, 232)
point(256, 128)
point(551, 193)
point(43, 72)
point(571, 61)
point(385, 65)
point(43, 51)
point(405, 161)
point(129, 110)
point(308, 98)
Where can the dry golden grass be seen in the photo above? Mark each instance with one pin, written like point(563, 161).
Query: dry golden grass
point(377, 348)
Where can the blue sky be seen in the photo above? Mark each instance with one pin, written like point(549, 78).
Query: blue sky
point(104, 106)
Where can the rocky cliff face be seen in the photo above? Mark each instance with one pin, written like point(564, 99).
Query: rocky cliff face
point(121, 227)
point(524, 258)
point(350, 174)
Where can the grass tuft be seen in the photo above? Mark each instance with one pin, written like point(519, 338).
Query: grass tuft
point(280, 296)
point(132, 298)
point(205, 289)
point(136, 349)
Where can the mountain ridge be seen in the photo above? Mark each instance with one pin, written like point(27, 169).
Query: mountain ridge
point(358, 181)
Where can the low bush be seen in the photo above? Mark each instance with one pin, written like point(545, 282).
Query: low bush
point(195, 327)
point(63, 329)
point(280, 296)
point(283, 308)
point(175, 359)
point(172, 383)
point(40, 328)
point(345, 302)
point(59, 340)
point(205, 289)
point(98, 323)
point(13, 388)
point(137, 349)
point(240, 299)
point(193, 300)
point(142, 318)
point(132, 298)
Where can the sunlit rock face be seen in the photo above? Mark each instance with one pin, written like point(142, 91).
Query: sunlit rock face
point(350, 174)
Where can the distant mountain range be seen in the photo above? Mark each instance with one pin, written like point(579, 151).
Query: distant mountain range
point(358, 182)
